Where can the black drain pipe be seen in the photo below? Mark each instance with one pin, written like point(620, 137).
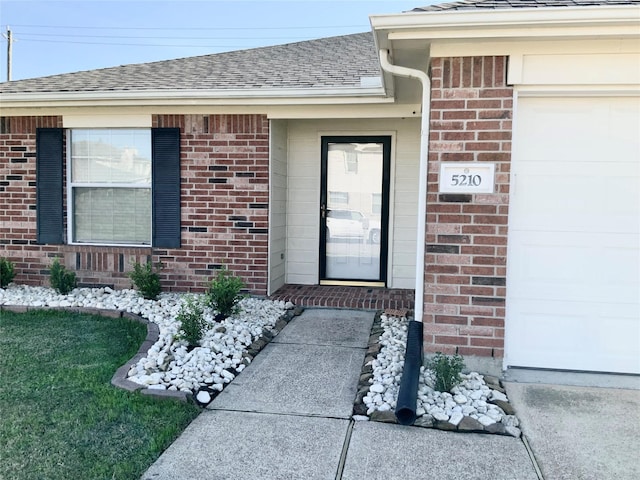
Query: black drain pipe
point(408, 393)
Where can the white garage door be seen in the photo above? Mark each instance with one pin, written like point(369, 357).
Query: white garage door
point(573, 278)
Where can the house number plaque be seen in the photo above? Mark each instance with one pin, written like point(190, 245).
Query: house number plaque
point(467, 177)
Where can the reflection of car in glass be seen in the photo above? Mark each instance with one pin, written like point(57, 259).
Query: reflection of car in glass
point(352, 224)
point(374, 231)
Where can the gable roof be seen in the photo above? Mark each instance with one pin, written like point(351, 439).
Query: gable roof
point(326, 63)
point(499, 4)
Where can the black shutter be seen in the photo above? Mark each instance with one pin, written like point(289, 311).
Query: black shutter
point(49, 206)
point(165, 152)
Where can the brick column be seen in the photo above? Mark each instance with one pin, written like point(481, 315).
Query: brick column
point(18, 197)
point(466, 241)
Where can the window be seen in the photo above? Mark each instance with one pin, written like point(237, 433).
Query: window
point(109, 172)
point(376, 203)
point(109, 186)
point(338, 199)
point(351, 162)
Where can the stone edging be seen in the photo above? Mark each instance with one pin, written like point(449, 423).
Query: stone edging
point(120, 377)
point(467, 425)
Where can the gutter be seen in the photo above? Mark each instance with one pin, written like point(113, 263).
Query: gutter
point(407, 395)
point(422, 185)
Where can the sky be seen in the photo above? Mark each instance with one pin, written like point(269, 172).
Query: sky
point(61, 36)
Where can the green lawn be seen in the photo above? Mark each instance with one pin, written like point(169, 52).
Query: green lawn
point(60, 418)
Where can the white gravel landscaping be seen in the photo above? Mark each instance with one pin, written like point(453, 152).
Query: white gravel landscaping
point(478, 403)
point(169, 364)
point(473, 398)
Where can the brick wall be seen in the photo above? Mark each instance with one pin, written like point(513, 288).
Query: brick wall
point(224, 214)
point(466, 243)
point(225, 200)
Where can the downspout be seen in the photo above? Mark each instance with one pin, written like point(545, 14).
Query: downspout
point(408, 393)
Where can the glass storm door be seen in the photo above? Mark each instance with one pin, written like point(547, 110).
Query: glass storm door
point(354, 209)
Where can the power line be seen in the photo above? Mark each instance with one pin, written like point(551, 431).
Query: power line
point(65, 35)
point(172, 28)
point(70, 39)
point(133, 44)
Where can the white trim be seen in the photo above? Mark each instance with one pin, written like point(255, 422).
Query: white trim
point(256, 96)
point(489, 47)
point(610, 68)
point(512, 193)
point(284, 112)
point(359, 112)
point(112, 245)
point(69, 199)
point(523, 22)
point(106, 121)
point(577, 90)
point(110, 185)
point(518, 31)
point(515, 66)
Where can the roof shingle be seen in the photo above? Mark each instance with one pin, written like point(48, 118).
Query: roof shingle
point(499, 4)
point(334, 62)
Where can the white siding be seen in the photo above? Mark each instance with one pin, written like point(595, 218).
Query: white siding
point(303, 199)
point(277, 204)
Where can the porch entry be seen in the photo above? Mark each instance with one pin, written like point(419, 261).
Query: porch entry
point(354, 210)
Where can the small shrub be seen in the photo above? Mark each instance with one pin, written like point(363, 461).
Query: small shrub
point(224, 293)
point(146, 281)
point(62, 280)
point(446, 370)
point(192, 323)
point(7, 272)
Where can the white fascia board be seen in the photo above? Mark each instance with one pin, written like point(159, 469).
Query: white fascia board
point(511, 23)
point(309, 111)
point(200, 97)
point(473, 48)
point(185, 104)
point(565, 91)
point(344, 111)
point(521, 32)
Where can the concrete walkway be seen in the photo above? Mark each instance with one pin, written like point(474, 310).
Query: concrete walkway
point(287, 416)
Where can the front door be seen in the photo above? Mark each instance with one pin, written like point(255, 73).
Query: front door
point(354, 213)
